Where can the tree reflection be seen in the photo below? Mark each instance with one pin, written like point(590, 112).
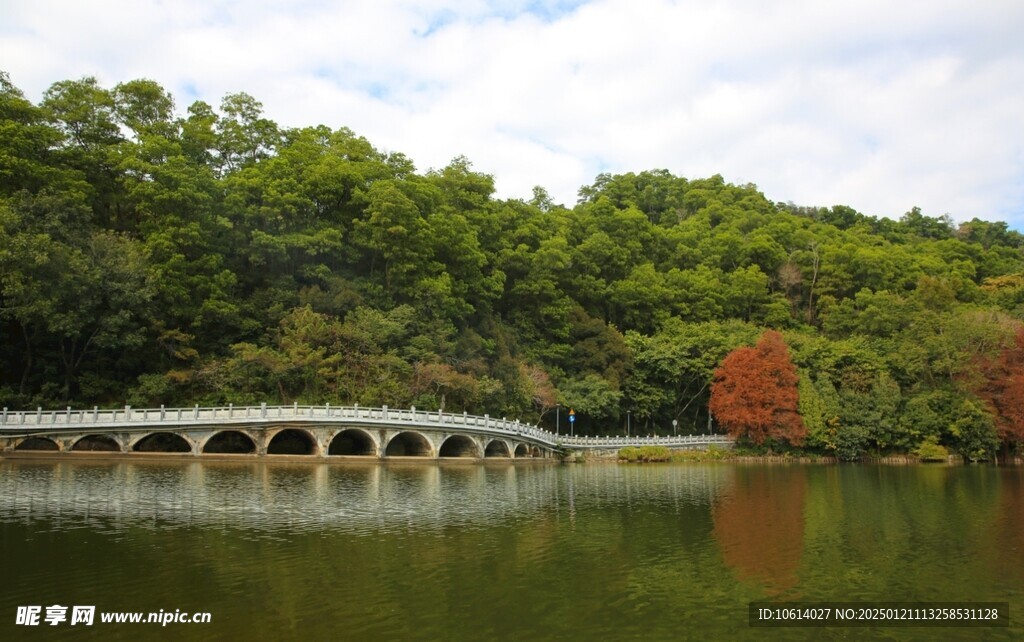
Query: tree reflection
point(759, 525)
point(1010, 543)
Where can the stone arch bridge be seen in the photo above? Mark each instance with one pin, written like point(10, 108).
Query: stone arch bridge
point(316, 431)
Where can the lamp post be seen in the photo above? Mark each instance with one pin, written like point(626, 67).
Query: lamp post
point(675, 427)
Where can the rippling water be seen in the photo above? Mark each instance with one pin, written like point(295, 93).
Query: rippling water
point(425, 551)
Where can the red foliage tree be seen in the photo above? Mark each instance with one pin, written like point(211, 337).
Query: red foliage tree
point(754, 393)
point(1001, 386)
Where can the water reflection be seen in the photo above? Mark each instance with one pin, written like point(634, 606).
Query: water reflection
point(436, 551)
point(269, 496)
point(759, 525)
point(1008, 553)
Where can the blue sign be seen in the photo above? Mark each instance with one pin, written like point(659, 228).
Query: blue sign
point(572, 416)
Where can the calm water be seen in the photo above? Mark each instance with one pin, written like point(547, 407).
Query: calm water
point(476, 552)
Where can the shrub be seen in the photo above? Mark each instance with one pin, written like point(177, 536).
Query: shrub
point(711, 454)
point(930, 450)
point(645, 454)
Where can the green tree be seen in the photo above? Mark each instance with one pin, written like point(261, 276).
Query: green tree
point(145, 107)
point(392, 234)
point(974, 432)
point(243, 135)
point(596, 402)
point(820, 409)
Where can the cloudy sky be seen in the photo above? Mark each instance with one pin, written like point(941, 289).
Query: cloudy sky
point(875, 104)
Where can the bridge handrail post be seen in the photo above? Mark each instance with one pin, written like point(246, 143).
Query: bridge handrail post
point(5, 414)
point(295, 408)
point(127, 413)
point(384, 412)
point(195, 413)
point(95, 414)
point(263, 410)
point(39, 415)
point(327, 407)
point(163, 412)
point(179, 414)
point(231, 411)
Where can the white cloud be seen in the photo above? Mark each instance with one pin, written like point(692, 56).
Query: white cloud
point(878, 105)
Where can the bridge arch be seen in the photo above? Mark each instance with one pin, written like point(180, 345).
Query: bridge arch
point(353, 442)
point(459, 446)
point(522, 450)
point(37, 443)
point(162, 442)
point(409, 444)
point(292, 441)
point(230, 442)
point(497, 448)
point(97, 443)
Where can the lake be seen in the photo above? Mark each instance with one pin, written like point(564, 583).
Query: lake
point(539, 551)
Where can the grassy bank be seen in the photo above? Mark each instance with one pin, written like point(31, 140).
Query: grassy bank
point(648, 454)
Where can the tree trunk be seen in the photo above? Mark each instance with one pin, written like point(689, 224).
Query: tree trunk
point(814, 280)
point(28, 360)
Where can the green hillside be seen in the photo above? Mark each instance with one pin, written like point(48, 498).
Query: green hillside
point(151, 257)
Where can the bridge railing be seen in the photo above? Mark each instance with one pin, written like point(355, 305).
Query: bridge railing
point(128, 416)
point(650, 440)
point(40, 420)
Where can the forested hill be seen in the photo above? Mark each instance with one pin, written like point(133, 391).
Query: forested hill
point(150, 257)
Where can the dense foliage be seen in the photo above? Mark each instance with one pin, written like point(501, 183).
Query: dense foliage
point(148, 257)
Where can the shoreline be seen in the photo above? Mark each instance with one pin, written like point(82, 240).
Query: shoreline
point(675, 457)
point(895, 460)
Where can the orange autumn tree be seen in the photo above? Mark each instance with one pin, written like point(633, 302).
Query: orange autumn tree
point(754, 393)
point(1001, 386)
